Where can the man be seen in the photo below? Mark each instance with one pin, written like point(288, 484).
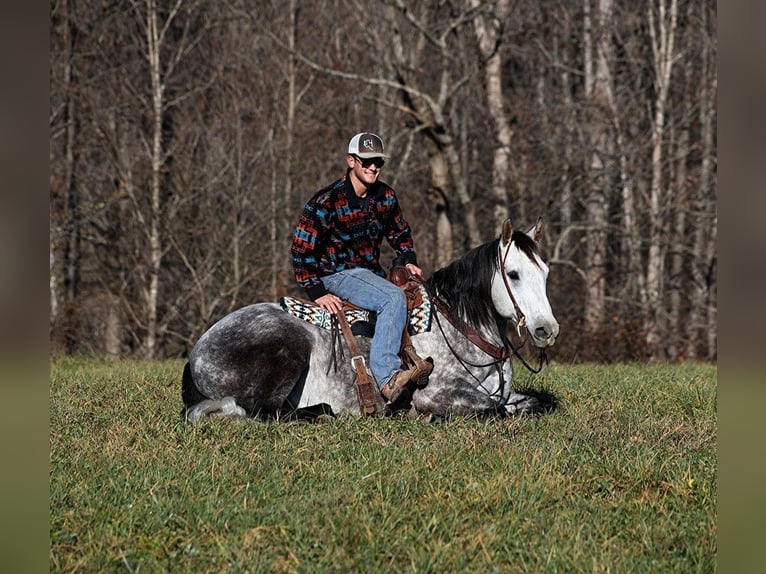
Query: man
point(336, 257)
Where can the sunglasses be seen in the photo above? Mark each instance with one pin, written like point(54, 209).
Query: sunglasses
point(367, 162)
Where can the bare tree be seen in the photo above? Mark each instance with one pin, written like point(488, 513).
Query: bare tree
point(66, 220)
point(163, 57)
point(488, 33)
point(662, 21)
point(597, 56)
point(702, 320)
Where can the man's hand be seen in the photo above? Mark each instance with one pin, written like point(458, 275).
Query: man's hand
point(414, 269)
point(330, 302)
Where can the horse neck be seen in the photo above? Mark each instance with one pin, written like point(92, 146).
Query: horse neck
point(491, 331)
point(464, 287)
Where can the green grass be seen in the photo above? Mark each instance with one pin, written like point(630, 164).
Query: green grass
point(620, 478)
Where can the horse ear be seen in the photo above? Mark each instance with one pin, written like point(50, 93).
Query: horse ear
point(536, 232)
point(507, 231)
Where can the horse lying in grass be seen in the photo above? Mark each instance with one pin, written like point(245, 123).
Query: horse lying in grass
point(262, 362)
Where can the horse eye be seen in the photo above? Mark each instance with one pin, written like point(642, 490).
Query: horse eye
point(514, 275)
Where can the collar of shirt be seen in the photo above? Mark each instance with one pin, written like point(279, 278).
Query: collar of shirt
point(360, 202)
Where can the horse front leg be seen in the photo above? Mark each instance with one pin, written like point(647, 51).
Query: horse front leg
point(455, 398)
point(518, 404)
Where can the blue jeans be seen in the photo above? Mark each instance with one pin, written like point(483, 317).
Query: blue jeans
point(369, 291)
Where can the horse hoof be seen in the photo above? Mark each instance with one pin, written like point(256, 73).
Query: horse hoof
point(226, 407)
point(523, 405)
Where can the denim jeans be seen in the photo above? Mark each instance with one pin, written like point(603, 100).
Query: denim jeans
point(365, 289)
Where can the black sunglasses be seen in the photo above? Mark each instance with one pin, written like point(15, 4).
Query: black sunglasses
point(367, 162)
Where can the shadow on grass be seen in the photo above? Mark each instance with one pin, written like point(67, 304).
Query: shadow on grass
point(544, 402)
point(547, 400)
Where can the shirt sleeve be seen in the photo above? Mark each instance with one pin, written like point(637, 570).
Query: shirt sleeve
point(308, 239)
point(399, 234)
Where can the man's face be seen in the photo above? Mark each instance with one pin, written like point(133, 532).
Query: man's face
point(365, 170)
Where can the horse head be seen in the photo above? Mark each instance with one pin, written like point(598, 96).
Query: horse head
point(519, 285)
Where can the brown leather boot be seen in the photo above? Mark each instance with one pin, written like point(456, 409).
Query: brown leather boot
point(423, 366)
point(417, 375)
point(395, 386)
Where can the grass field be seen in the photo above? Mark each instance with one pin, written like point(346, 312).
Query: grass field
point(620, 478)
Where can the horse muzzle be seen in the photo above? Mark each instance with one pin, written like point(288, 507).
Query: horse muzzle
point(544, 336)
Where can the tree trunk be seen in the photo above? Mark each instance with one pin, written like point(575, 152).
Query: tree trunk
point(153, 43)
point(438, 196)
point(284, 217)
point(72, 225)
point(597, 91)
point(678, 248)
point(112, 327)
point(566, 197)
point(236, 217)
point(53, 311)
point(487, 37)
point(711, 306)
point(662, 33)
point(702, 313)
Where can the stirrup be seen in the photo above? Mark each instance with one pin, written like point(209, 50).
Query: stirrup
point(420, 368)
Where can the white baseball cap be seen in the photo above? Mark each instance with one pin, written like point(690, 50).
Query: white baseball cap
point(366, 145)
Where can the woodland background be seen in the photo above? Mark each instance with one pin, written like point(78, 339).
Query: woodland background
point(186, 135)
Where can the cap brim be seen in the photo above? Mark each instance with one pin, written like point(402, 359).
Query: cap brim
point(371, 155)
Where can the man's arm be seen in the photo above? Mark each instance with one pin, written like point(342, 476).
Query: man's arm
point(305, 250)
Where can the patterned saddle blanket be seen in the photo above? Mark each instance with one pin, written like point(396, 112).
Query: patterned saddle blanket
point(362, 321)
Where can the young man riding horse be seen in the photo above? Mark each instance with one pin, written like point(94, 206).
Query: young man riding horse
point(336, 258)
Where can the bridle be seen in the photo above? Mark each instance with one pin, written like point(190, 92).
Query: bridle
point(521, 318)
point(499, 354)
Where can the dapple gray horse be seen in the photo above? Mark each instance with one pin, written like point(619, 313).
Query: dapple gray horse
point(261, 362)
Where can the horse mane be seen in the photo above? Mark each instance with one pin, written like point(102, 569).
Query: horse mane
point(465, 285)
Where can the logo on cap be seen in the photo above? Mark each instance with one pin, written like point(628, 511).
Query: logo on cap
point(368, 144)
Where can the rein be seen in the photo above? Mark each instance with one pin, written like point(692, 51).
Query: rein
point(497, 353)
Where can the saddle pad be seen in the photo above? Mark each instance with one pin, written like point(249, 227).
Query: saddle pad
point(315, 315)
point(419, 311)
point(419, 316)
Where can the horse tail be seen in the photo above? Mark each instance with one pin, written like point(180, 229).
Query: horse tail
point(189, 392)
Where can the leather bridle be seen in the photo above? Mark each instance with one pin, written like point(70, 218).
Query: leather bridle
point(521, 318)
point(499, 354)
